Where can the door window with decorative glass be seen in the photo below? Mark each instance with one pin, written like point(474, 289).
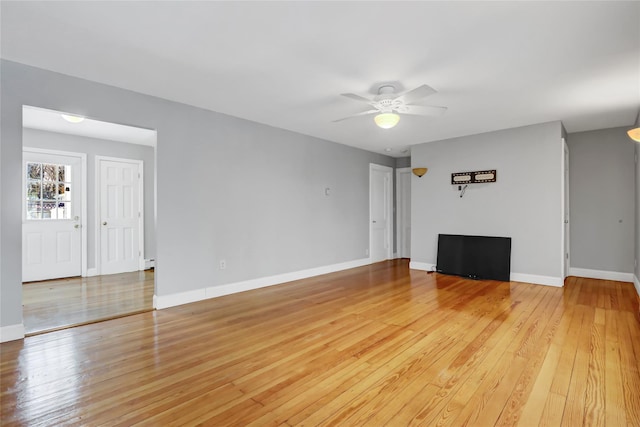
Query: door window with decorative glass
point(48, 191)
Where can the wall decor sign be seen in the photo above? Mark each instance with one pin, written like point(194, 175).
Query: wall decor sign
point(475, 177)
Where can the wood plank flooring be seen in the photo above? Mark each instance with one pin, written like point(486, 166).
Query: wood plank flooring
point(376, 345)
point(55, 304)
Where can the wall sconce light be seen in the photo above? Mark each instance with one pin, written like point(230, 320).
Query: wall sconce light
point(419, 172)
point(635, 132)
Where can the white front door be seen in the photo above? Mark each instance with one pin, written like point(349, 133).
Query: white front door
point(51, 210)
point(120, 215)
point(403, 212)
point(381, 215)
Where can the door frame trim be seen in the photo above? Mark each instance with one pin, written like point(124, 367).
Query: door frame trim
point(389, 229)
point(565, 237)
point(98, 246)
point(83, 196)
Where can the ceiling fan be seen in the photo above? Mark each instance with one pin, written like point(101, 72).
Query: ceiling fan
point(388, 105)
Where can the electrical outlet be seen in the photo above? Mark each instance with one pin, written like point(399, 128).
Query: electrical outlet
point(223, 264)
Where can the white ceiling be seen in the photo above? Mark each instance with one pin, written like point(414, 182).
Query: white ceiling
point(49, 120)
point(495, 65)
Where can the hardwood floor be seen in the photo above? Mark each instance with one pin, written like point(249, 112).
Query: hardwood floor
point(376, 345)
point(55, 304)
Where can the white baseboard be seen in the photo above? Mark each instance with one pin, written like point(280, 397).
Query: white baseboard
point(12, 332)
point(636, 283)
point(601, 274)
point(149, 263)
point(537, 279)
point(166, 301)
point(92, 272)
point(415, 265)
point(516, 277)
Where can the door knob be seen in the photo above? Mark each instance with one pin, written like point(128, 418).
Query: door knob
point(104, 223)
point(76, 226)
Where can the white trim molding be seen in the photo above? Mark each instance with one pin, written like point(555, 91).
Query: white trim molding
point(12, 332)
point(425, 266)
point(149, 263)
point(601, 274)
point(558, 282)
point(515, 277)
point(636, 283)
point(166, 301)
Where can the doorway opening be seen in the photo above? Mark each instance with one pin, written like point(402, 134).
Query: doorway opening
point(403, 212)
point(66, 199)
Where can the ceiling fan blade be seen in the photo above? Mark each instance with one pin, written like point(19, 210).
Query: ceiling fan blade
point(423, 110)
point(364, 113)
point(417, 93)
point(357, 97)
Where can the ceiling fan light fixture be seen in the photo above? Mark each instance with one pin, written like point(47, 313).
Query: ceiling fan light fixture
point(386, 120)
point(72, 119)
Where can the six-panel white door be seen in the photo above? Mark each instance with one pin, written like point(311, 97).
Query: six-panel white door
point(381, 215)
point(120, 214)
point(51, 223)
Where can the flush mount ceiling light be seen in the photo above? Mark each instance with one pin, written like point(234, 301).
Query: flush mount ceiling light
point(72, 119)
point(635, 132)
point(387, 120)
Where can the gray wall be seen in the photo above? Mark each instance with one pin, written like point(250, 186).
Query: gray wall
point(524, 203)
point(227, 188)
point(637, 216)
point(403, 162)
point(602, 197)
point(99, 147)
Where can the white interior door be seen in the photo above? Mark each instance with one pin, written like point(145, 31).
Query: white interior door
point(51, 216)
point(120, 215)
point(381, 215)
point(403, 212)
